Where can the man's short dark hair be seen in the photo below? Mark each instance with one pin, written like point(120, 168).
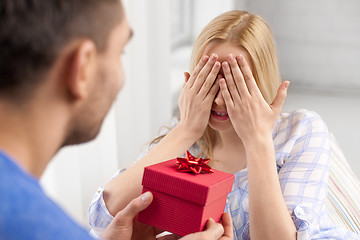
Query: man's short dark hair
point(33, 32)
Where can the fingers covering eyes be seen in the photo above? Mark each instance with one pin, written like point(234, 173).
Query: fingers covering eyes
point(248, 77)
point(197, 70)
point(209, 81)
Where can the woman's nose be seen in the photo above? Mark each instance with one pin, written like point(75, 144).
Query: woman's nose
point(219, 100)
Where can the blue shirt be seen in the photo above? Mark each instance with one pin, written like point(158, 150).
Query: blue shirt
point(26, 212)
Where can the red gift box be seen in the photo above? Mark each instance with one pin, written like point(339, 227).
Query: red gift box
point(183, 202)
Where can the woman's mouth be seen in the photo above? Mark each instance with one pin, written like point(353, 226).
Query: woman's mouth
point(219, 115)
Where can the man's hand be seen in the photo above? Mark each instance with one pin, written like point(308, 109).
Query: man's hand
point(124, 223)
point(214, 231)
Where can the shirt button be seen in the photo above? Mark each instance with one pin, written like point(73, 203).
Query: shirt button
point(300, 211)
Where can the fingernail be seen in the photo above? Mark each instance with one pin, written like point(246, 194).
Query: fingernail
point(217, 64)
point(145, 197)
point(225, 64)
point(230, 57)
point(205, 58)
point(287, 84)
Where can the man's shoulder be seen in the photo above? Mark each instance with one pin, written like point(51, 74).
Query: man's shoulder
point(25, 210)
point(17, 186)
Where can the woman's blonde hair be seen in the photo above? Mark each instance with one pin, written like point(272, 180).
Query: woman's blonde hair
point(251, 32)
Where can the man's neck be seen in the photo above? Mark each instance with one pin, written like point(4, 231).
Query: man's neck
point(29, 136)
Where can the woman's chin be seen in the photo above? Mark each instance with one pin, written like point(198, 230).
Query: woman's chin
point(220, 125)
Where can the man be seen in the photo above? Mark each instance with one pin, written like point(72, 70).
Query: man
point(59, 74)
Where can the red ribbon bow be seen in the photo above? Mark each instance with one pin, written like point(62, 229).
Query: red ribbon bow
point(192, 164)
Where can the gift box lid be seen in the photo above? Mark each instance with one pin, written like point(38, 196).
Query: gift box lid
point(199, 188)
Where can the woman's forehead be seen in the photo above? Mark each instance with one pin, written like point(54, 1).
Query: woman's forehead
point(223, 48)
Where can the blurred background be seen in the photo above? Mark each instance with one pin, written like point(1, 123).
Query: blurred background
point(318, 44)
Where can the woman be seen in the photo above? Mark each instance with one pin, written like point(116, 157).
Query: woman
point(230, 112)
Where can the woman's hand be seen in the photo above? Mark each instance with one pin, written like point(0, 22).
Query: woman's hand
point(253, 120)
point(251, 116)
point(198, 94)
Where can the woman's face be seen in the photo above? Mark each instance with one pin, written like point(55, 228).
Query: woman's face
point(219, 119)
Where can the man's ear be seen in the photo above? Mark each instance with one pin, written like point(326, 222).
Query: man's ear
point(80, 69)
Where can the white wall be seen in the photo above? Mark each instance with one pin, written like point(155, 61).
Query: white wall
point(318, 40)
point(204, 11)
point(144, 105)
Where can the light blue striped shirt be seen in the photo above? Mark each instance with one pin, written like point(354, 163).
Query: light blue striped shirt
point(301, 143)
